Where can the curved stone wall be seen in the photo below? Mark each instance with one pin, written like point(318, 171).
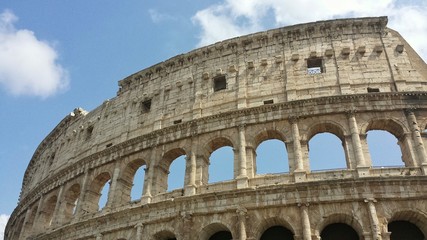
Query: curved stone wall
point(344, 77)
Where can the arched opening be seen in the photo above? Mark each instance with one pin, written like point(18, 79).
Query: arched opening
point(402, 230)
point(103, 198)
point(271, 157)
point(339, 231)
point(97, 194)
point(169, 172)
point(221, 166)
point(176, 173)
point(326, 152)
point(221, 235)
point(378, 140)
point(164, 235)
point(277, 233)
point(132, 181)
point(70, 201)
point(48, 210)
point(138, 184)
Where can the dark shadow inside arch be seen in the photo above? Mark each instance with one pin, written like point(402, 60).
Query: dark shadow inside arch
point(271, 157)
point(326, 152)
point(277, 233)
point(404, 230)
point(380, 140)
point(222, 235)
point(339, 231)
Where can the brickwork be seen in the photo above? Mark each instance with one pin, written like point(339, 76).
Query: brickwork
point(344, 77)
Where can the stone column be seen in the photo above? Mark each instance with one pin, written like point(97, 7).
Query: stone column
point(139, 228)
point(299, 172)
point(418, 141)
point(57, 215)
point(362, 169)
point(25, 226)
point(305, 221)
point(190, 188)
point(146, 197)
point(113, 196)
point(376, 235)
point(241, 215)
point(79, 208)
point(37, 226)
point(250, 161)
point(242, 178)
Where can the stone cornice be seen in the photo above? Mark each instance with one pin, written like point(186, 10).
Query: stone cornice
point(284, 35)
point(359, 102)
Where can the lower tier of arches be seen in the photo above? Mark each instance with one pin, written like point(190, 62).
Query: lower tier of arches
point(370, 209)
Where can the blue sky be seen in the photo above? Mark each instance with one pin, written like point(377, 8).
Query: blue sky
point(68, 54)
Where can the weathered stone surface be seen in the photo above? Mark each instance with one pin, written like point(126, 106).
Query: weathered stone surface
point(344, 77)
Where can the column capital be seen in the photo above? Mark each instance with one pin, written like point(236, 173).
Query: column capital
point(306, 204)
point(409, 111)
point(242, 126)
point(293, 119)
point(241, 211)
point(367, 200)
point(139, 225)
point(350, 112)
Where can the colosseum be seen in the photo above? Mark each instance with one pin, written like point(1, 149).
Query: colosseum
point(345, 77)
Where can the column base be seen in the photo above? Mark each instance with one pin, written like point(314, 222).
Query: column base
point(424, 168)
point(300, 175)
point(242, 182)
point(146, 199)
point(190, 190)
point(363, 172)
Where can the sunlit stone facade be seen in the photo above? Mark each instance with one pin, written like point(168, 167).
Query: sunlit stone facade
point(345, 77)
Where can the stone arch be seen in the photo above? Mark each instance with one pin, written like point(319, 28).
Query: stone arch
point(93, 194)
point(209, 230)
point(391, 125)
point(164, 235)
point(72, 195)
point(161, 169)
point(333, 128)
point(216, 143)
point(395, 127)
point(261, 137)
point(418, 218)
point(28, 225)
point(127, 178)
point(47, 210)
point(272, 222)
point(325, 126)
point(341, 218)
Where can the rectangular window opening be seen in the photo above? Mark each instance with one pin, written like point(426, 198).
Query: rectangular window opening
point(315, 66)
point(373, 90)
point(268, 101)
point(177, 121)
point(220, 83)
point(146, 106)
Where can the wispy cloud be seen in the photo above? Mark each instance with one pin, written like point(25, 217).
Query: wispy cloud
point(158, 17)
point(232, 18)
point(3, 221)
point(28, 66)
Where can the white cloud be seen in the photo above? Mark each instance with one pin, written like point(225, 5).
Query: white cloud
point(158, 17)
point(28, 66)
point(3, 220)
point(232, 18)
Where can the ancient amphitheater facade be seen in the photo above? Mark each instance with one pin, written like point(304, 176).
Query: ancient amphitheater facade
point(345, 77)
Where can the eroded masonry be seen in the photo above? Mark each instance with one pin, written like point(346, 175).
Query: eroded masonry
point(344, 77)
